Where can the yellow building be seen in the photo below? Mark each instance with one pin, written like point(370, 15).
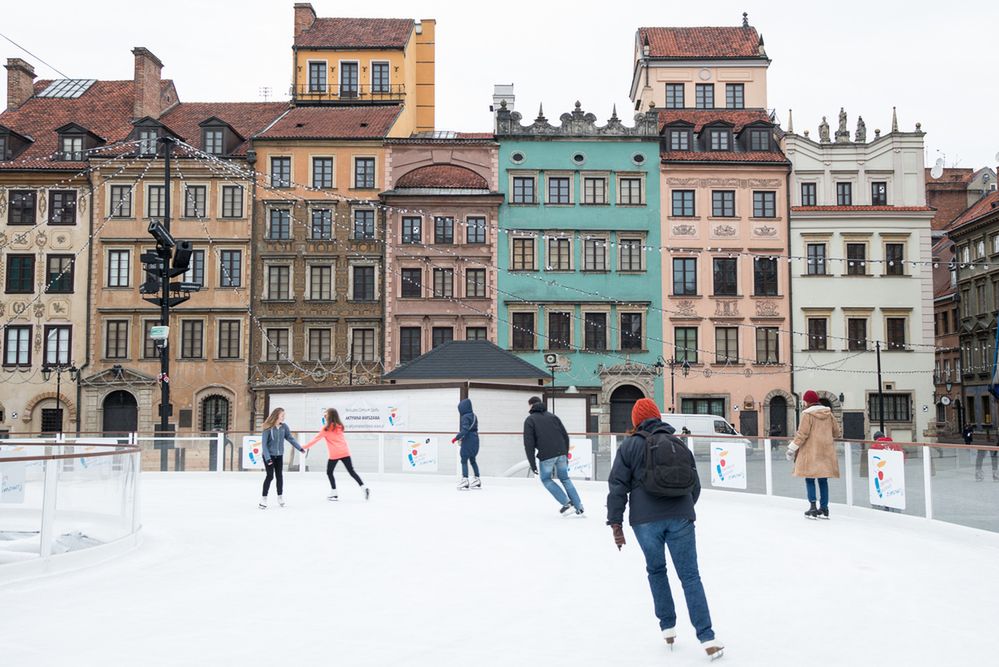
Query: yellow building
point(358, 61)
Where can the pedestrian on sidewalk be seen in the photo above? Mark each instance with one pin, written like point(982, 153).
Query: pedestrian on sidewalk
point(656, 472)
point(545, 434)
point(468, 436)
point(275, 433)
point(968, 433)
point(813, 451)
point(337, 450)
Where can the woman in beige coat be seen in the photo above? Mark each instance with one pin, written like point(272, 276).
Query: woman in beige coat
point(813, 451)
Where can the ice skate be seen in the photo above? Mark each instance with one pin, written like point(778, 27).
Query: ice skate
point(669, 636)
point(824, 513)
point(263, 503)
point(476, 483)
point(979, 476)
point(463, 484)
point(281, 501)
point(714, 649)
point(333, 496)
point(565, 508)
point(367, 492)
point(579, 512)
point(812, 512)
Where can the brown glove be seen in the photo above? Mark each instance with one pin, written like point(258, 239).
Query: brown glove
point(618, 535)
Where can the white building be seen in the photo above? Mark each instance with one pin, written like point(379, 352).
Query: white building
point(860, 229)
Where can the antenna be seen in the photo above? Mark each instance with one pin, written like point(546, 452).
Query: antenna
point(265, 93)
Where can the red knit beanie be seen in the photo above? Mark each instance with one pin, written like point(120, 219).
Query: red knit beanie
point(810, 397)
point(645, 408)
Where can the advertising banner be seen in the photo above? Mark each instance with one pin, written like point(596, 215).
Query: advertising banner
point(728, 465)
point(886, 482)
point(419, 454)
point(363, 414)
point(253, 455)
point(580, 458)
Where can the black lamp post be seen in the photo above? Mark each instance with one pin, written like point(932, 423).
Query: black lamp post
point(684, 370)
point(59, 369)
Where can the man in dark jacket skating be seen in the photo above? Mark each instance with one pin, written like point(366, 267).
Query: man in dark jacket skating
point(544, 433)
point(660, 522)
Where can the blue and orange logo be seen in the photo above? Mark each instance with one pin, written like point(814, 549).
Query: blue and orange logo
point(393, 415)
point(880, 477)
point(720, 468)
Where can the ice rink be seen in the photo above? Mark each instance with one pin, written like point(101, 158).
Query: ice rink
point(424, 575)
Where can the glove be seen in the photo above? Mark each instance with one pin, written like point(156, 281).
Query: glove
point(791, 453)
point(454, 440)
point(618, 535)
point(268, 463)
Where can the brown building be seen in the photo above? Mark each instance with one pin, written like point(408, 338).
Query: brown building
point(946, 327)
point(955, 190)
point(440, 261)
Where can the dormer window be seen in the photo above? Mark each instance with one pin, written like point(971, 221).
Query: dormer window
point(74, 141)
point(148, 139)
point(3, 148)
point(71, 147)
point(759, 139)
point(214, 141)
point(679, 140)
point(11, 144)
point(720, 140)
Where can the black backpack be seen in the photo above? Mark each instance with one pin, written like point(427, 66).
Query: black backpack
point(668, 473)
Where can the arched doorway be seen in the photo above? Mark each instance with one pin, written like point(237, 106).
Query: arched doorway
point(121, 413)
point(215, 413)
point(778, 417)
point(622, 400)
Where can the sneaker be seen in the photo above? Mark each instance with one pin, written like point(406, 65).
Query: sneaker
point(565, 508)
point(263, 503)
point(713, 648)
point(281, 501)
point(669, 636)
point(463, 484)
point(333, 496)
point(367, 493)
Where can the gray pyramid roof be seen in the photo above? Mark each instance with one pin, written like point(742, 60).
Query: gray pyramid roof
point(466, 360)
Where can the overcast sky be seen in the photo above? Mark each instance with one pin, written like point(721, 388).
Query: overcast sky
point(935, 62)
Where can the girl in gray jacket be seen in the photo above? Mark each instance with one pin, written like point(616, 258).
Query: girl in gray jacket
point(275, 432)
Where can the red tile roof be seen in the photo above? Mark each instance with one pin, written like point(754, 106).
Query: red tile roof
point(333, 123)
point(739, 118)
point(442, 176)
point(951, 175)
point(859, 209)
point(987, 204)
point(723, 156)
point(351, 33)
point(246, 118)
point(723, 42)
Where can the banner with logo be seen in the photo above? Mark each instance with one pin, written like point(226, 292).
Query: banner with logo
point(419, 454)
point(886, 482)
point(728, 465)
point(580, 458)
point(363, 414)
point(253, 452)
point(12, 475)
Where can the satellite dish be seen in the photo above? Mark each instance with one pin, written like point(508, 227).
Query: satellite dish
point(939, 162)
point(936, 171)
point(997, 157)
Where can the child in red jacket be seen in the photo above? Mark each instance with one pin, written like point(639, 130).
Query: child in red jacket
point(336, 445)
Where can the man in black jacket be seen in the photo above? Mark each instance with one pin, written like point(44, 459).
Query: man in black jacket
point(544, 433)
point(660, 522)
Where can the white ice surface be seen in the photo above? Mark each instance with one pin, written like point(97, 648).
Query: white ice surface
point(425, 575)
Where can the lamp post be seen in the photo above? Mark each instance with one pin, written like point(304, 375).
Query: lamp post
point(684, 371)
point(59, 369)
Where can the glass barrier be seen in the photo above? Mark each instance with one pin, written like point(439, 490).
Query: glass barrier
point(965, 487)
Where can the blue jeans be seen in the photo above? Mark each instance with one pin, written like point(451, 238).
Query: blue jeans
point(678, 535)
point(560, 466)
point(823, 490)
point(465, 460)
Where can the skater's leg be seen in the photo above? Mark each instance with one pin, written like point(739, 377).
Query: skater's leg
point(683, 550)
point(475, 465)
point(562, 469)
point(268, 476)
point(279, 473)
point(349, 465)
point(823, 492)
point(545, 470)
point(995, 462)
point(652, 539)
point(330, 465)
point(464, 466)
point(810, 489)
point(979, 458)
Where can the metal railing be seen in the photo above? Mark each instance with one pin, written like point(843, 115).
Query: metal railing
point(347, 93)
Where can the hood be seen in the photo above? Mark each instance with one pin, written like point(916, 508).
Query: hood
point(464, 406)
point(653, 425)
point(819, 412)
point(539, 407)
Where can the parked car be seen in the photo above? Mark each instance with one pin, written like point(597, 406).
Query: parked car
point(701, 427)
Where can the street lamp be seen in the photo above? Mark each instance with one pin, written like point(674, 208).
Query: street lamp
point(684, 371)
point(59, 369)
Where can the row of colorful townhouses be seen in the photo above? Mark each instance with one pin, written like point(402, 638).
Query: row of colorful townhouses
point(697, 252)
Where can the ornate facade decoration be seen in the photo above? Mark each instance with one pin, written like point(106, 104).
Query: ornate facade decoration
point(727, 308)
point(767, 309)
point(684, 230)
point(686, 308)
point(575, 124)
point(724, 230)
point(765, 230)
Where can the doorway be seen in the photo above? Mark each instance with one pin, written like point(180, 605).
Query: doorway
point(121, 413)
point(749, 422)
point(622, 400)
point(778, 417)
point(215, 414)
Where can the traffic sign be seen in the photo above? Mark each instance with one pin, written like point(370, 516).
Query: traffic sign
point(159, 332)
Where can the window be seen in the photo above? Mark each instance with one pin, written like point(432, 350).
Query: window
point(766, 345)
point(726, 345)
point(71, 147)
point(279, 227)
point(412, 283)
point(364, 224)
point(704, 96)
point(322, 225)
point(278, 344)
point(720, 140)
point(856, 333)
point(965, 255)
point(443, 230)
point(192, 334)
point(594, 190)
point(22, 207)
point(213, 139)
point(62, 207)
point(364, 283)
point(764, 204)
point(320, 344)
point(631, 331)
point(278, 282)
point(523, 331)
point(898, 408)
point(348, 79)
point(759, 139)
point(679, 140)
point(228, 339)
point(196, 271)
point(559, 330)
point(321, 282)
point(475, 283)
point(808, 194)
point(20, 274)
point(879, 193)
point(412, 230)
point(148, 140)
point(723, 203)
point(896, 333)
point(683, 203)
point(559, 254)
point(725, 278)
point(844, 194)
point(57, 346)
point(380, 78)
point(317, 76)
point(59, 271)
point(364, 172)
point(630, 255)
point(231, 268)
point(441, 335)
point(116, 339)
point(475, 333)
point(817, 333)
point(194, 201)
point(475, 229)
point(595, 255)
point(523, 190)
point(735, 96)
point(995, 244)
point(630, 191)
point(280, 172)
point(232, 201)
point(362, 345)
point(119, 268)
point(322, 172)
point(684, 276)
point(150, 347)
point(17, 346)
point(816, 259)
point(856, 259)
point(523, 254)
point(558, 190)
point(704, 406)
point(410, 343)
point(685, 344)
point(674, 95)
point(443, 283)
point(155, 201)
point(894, 259)
point(765, 276)
point(595, 331)
point(121, 201)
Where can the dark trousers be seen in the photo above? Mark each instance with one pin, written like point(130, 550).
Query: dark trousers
point(274, 470)
point(823, 490)
point(465, 460)
point(331, 465)
point(980, 457)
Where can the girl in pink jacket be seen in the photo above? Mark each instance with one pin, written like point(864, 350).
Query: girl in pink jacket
point(336, 445)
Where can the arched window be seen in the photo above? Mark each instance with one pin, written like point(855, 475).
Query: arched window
point(215, 413)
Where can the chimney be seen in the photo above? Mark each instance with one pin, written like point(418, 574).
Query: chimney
point(305, 16)
point(146, 92)
point(504, 98)
point(20, 82)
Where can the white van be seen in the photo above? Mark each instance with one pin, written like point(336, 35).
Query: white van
point(704, 425)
